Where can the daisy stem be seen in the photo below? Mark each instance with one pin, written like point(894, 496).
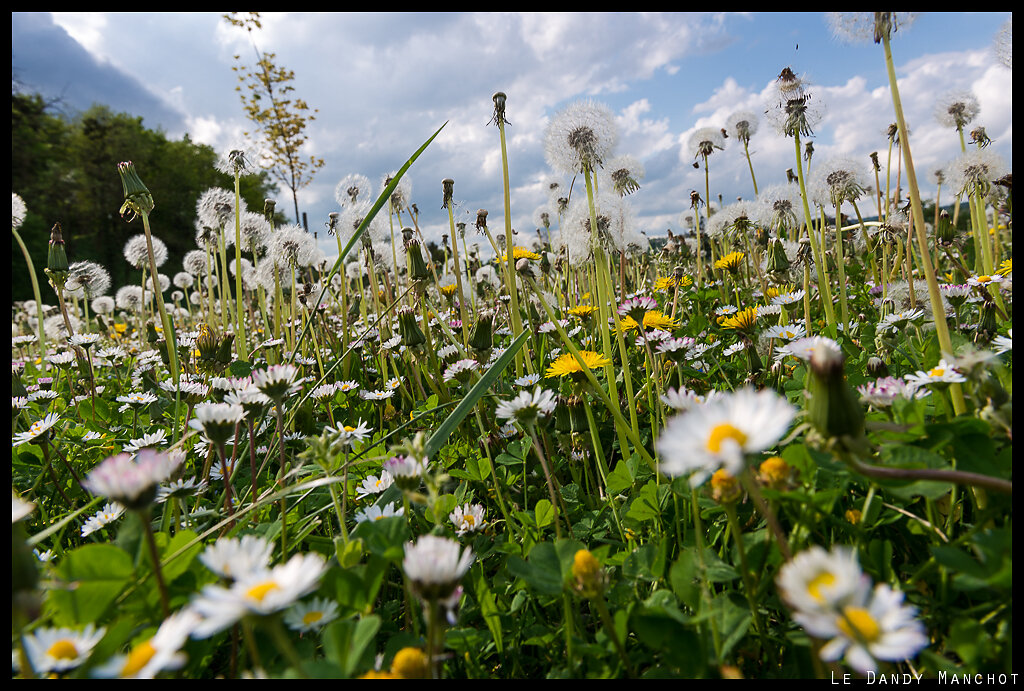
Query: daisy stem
point(284, 644)
point(155, 557)
point(494, 477)
point(750, 589)
point(532, 431)
point(609, 627)
point(750, 485)
point(602, 466)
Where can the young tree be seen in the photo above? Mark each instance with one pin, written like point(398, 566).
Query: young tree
point(280, 120)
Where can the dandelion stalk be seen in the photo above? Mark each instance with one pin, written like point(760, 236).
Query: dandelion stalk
point(941, 328)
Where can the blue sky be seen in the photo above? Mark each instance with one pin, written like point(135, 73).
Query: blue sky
point(383, 82)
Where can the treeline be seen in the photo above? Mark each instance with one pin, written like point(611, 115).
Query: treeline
point(65, 169)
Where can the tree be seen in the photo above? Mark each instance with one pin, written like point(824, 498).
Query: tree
point(65, 169)
point(280, 120)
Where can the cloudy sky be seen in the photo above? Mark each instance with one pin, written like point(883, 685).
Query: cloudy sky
point(382, 83)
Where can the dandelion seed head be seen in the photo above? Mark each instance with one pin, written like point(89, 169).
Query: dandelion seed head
point(583, 135)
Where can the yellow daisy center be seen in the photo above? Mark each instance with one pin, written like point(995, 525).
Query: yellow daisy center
point(984, 279)
point(258, 592)
point(936, 372)
point(469, 521)
point(312, 617)
point(822, 580)
point(63, 650)
point(858, 624)
point(722, 432)
point(138, 659)
point(349, 428)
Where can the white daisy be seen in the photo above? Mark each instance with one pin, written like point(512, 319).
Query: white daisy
point(232, 557)
point(259, 592)
point(720, 433)
point(526, 407)
point(374, 484)
point(435, 565)
point(159, 653)
point(468, 518)
point(309, 616)
point(58, 650)
point(375, 513)
point(108, 514)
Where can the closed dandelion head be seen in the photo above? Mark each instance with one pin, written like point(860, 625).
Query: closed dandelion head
point(589, 579)
point(580, 137)
point(235, 161)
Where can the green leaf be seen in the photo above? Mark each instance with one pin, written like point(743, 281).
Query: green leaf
point(544, 513)
point(345, 641)
point(488, 608)
point(650, 501)
point(95, 576)
point(386, 537)
point(542, 571)
point(482, 387)
point(183, 557)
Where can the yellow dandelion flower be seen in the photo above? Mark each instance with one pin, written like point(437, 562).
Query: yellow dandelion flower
point(520, 253)
point(566, 364)
point(730, 262)
point(582, 311)
point(665, 282)
point(653, 319)
point(448, 290)
point(741, 321)
point(775, 291)
point(410, 663)
point(1005, 267)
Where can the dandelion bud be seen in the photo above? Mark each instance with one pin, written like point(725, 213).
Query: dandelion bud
point(590, 579)
point(987, 325)
point(412, 336)
point(417, 265)
point(524, 267)
point(945, 233)
point(268, 209)
point(545, 262)
point(448, 191)
point(778, 262)
point(481, 219)
point(137, 197)
point(483, 335)
point(408, 233)
point(56, 257)
point(833, 406)
point(332, 223)
point(874, 161)
point(791, 176)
